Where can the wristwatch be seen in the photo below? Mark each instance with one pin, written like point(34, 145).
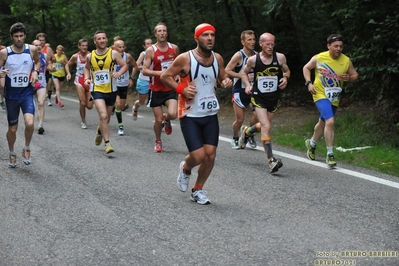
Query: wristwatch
point(308, 82)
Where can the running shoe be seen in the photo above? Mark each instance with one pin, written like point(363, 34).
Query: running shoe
point(311, 151)
point(330, 160)
point(60, 104)
point(234, 144)
point(98, 139)
point(158, 146)
point(83, 125)
point(40, 130)
point(274, 165)
point(134, 114)
point(252, 141)
point(49, 102)
point(242, 141)
point(183, 178)
point(125, 107)
point(167, 125)
point(12, 160)
point(56, 100)
point(200, 197)
point(26, 156)
point(121, 131)
point(108, 147)
point(3, 105)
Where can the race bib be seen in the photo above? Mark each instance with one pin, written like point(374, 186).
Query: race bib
point(102, 77)
point(20, 80)
point(333, 93)
point(58, 66)
point(267, 84)
point(250, 78)
point(166, 64)
point(41, 77)
point(208, 104)
point(80, 71)
point(121, 78)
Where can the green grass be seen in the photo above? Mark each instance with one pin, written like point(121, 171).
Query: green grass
point(352, 129)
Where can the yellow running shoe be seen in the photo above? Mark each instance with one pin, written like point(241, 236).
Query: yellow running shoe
point(108, 147)
point(98, 139)
point(311, 151)
point(330, 160)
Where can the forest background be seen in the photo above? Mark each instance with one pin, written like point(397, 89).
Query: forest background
point(370, 30)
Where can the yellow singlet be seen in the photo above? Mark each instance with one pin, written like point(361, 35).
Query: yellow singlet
point(328, 73)
point(102, 67)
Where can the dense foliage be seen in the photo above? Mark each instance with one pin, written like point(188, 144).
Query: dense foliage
point(370, 28)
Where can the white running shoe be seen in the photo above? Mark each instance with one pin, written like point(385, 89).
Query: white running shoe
point(83, 125)
point(121, 131)
point(275, 164)
point(49, 102)
point(134, 114)
point(26, 157)
point(182, 179)
point(200, 197)
point(252, 142)
point(13, 160)
point(234, 144)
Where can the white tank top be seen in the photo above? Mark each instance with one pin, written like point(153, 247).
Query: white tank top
point(204, 78)
point(123, 80)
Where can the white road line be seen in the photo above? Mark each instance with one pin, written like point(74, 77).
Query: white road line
point(323, 165)
point(319, 164)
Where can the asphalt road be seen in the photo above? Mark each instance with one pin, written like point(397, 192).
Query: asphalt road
point(74, 205)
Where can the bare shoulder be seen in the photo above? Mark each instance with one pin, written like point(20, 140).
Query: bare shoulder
point(33, 48)
point(149, 52)
point(88, 57)
point(251, 60)
point(183, 58)
point(3, 51)
point(73, 57)
point(236, 58)
point(280, 56)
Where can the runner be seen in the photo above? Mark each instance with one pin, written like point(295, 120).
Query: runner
point(58, 75)
point(21, 63)
point(46, 49)
point(123, 83)
point(40, 86)
point(100, 67)
point(332, 69)
point(271, 75)
point(83, 91)
point(2, 101)
point(143, 82)
point(240, 99)
point(200, 70)
point(158, 58)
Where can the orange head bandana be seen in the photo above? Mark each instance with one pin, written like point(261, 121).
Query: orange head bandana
point(203, 29)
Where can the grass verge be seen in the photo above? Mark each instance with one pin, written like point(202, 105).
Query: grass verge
point(353, 128)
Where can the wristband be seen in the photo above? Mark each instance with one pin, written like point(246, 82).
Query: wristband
point(180, 88)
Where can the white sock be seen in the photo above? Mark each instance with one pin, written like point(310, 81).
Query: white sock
point(313, 143)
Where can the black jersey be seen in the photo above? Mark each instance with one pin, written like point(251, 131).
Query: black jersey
point(267, 78)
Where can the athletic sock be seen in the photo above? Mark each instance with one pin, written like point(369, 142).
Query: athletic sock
point(267, 146)
point(196, 187)
point(118, 116)
point(313, 143)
